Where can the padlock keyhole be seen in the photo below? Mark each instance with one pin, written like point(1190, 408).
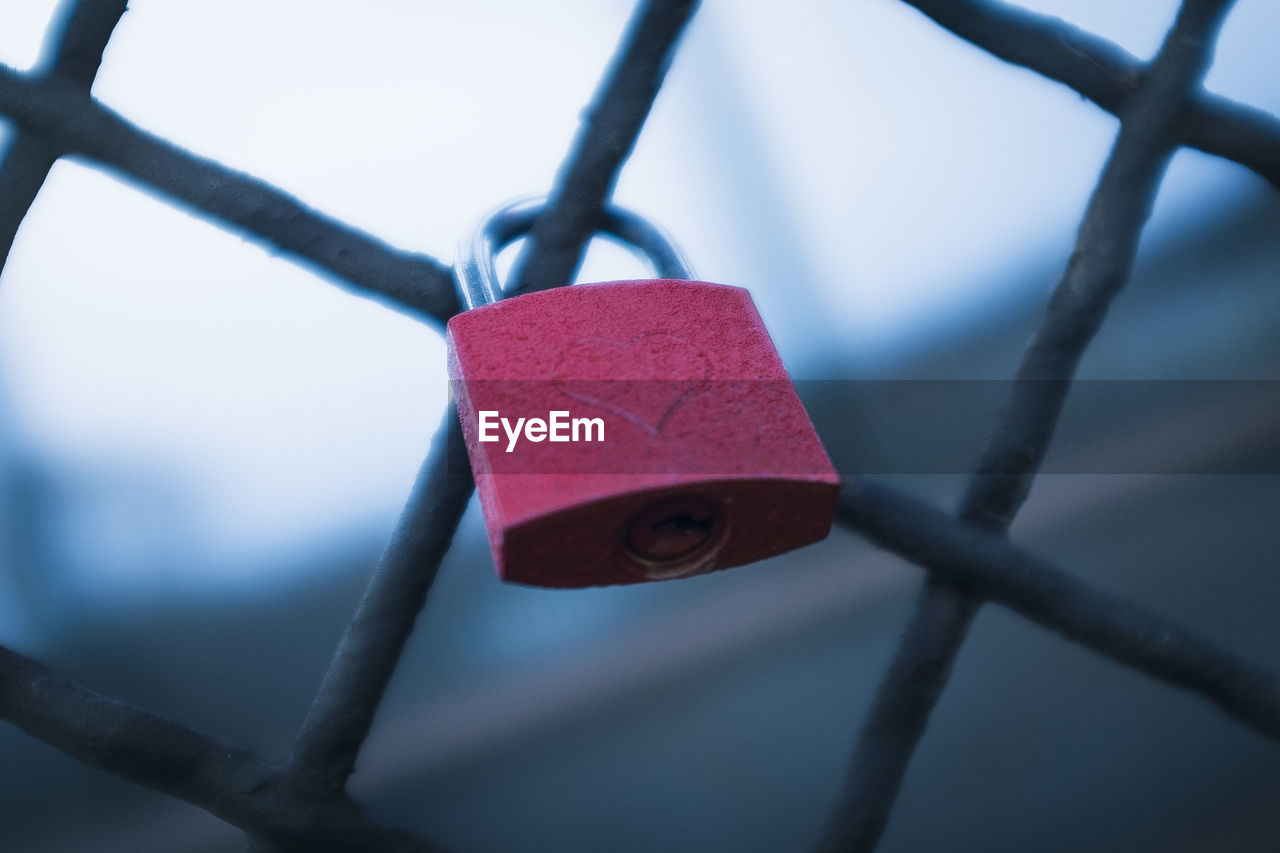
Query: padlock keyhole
point(683, 523)
point(677, 536)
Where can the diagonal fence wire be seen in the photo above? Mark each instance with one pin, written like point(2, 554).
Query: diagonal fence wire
point(219, 777)
point(285, 807)
point(1099, 267)
point(1107, 75)
point(71, 122)
point(225, 780)
point(73, 53)
point(419, 285)
point(278, 812)
point(988, 564)
point(608, 133)
point(342, 712)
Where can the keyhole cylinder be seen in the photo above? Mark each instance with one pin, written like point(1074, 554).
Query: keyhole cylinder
point(677, 536)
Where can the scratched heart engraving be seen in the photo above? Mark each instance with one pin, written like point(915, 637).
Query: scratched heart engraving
point(643, 380)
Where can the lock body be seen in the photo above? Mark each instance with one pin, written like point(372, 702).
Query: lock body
point(673, 443)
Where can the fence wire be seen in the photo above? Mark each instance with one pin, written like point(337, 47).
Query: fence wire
point(303, 804)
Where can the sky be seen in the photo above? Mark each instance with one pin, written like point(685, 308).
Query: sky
point(868, 176)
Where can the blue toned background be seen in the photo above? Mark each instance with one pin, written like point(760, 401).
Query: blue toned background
point(203, 447)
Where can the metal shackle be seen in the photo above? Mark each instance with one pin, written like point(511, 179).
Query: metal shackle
point(474, 266)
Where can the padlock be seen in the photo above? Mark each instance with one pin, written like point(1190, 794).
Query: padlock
point(628, 431)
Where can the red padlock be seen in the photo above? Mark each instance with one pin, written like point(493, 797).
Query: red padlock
point(631, 430)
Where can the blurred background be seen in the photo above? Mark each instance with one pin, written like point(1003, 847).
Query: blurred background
point(203, 446)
